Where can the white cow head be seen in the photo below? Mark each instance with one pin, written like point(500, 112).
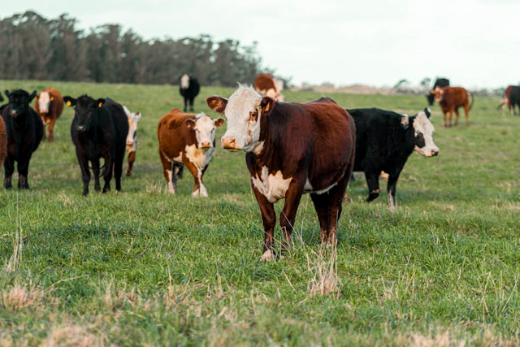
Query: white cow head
point(204, 127)
point(44, 101)
point(131, 138)
point(423, 134)
point(244, 110)
point(185, 81)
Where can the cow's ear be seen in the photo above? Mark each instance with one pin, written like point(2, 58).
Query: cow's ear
point(69, 101)
point(219, 121)
point(100, 102)
point(190, 122)
point(137, 116)
point(432, 91)
point(217, 104)
point(266, 105)
point(405, 121)
point(427, 112)
point(33, 94)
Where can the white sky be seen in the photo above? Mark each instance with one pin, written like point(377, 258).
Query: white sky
point(475, 43)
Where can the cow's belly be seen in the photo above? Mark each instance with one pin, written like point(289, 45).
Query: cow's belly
point(308, 188)
point(272, 186)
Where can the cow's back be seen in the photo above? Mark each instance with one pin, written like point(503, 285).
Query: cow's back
point(170, 129)
point(118, 117)
point(264, 82)
point(514, 95)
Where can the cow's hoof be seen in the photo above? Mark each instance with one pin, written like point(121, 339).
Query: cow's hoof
point(268, 255)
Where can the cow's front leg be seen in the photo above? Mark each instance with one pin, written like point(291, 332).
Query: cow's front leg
point(9, 169)
point(51, 128)
point(95, 171)
point(23, 172)
point(288, 214)
point(198, 189)
point(85, 173)
point(268, 221)
point(372, 178)
point(445, 118)
point(450, 116)
point(457, 116)
point(391, 188)
point(107, 172)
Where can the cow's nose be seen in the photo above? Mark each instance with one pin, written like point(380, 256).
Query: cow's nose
point(80, 128)
point(14, 113)
point(435, 152)
point(205, 144)
point(129, 142)
point(229, 143)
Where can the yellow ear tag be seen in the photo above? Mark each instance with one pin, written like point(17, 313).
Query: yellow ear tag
point(69, 103)
point(267, 108)
point(100, 104)
point(52, 98)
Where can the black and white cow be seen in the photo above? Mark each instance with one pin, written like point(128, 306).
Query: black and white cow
point(189, 89)
point(385, 140)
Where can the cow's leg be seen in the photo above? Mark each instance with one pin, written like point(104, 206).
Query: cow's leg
point(372, 178)
point(95, 172)
point(23, 171)
point(445, 117)
point(185, 104)
point(198, 189)
point(167, 171)
point(85, 172)
point(191, 104)
point(51, 128)
point(8, 172)
point(391, 188)
point(268, 221)
point(107, 172)
point(131, 160)
point(450, 116)
point(288, 214)
point(44, 130)
point(118, 167)
point(456, 116)
point(466, 113)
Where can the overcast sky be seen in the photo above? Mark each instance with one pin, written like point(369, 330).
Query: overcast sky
point(475, 43)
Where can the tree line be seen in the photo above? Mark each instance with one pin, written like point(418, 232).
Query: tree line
point(33, 47)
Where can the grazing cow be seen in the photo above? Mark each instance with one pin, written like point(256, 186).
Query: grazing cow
point(3, 141)
point(439, 82)
point(186, 140)
point(49, 105)
point(98, 130)
point(385, 140)
point(267, 85)
point(450, 99)
point(24, 129)
point(189, 89)
point(131, 138)
point(291, 149)
point(511, 98)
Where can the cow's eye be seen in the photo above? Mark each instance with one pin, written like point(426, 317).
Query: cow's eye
point(252, 115)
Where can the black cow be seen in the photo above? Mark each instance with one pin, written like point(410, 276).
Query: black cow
point(99, 130)
point(24, 129)
point(385, 140)
point(439, 82)
point(511, 99)
point(189, 89)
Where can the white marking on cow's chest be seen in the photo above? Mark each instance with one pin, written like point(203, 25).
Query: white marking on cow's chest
point(196, 156)
point(273, 187)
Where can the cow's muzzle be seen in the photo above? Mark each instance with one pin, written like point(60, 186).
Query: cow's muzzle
point(434, 152)
point(81, 128)
point(14, 114)
point(229, 143)
point(205, 145)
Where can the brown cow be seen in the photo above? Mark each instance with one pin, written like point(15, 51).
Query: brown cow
point(3, 141)
point(186, 140)
point(49, 105)
point(267, 85)
point(450, 99)
point(291, 149)
point(510, 98)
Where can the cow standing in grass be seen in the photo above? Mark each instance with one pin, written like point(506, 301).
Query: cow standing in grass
point(291, 149)
point(131, 138)
point(49, 105)
point(186, 140)
point(385, 140)
point(99, 130)
point(24, 129)
point(3, 141)
point(189, 89)
point(450, 99)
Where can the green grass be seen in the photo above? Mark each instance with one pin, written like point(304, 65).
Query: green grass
point(143, 267)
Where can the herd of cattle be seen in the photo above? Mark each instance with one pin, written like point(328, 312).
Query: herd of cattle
point(291, 148)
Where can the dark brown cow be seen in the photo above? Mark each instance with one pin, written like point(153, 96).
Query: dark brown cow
point(186, 140)
point(291, 149)
point(511, 99)
point(49, 105)
point(267, 85)
point(450, 99)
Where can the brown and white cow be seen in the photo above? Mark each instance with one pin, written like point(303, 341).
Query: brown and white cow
point(291, 149)
point(510, 99)
point(267, 85)
point(49, 105)
point(450, 99)
point(186, 140)
point(131, 138)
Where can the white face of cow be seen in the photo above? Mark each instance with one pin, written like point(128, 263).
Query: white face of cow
point(204, 127)
point(185, 81)
point(133, 119)
point(44, 100)
point(423, 133)
point(243, 113)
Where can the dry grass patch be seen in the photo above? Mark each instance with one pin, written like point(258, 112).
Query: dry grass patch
point(324, 270)
point(18, 297)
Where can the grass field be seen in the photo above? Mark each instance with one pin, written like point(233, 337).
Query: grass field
point(145, 268)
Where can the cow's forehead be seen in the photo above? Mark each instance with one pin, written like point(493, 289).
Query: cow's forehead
point(202, 120)
point(44, 96)
point(423, 123)
point(241, 102)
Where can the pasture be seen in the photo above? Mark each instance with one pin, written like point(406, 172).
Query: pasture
point(145, 268)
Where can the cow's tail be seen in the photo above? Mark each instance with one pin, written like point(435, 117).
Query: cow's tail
point(472, 99)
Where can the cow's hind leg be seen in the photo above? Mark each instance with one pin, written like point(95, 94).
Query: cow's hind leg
point(118, 168)
point(466, 113)
point(445, 117)
point(185, 104)
point(8, 172)
point(391, 188)
point(191, 104)
point(456, 116)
